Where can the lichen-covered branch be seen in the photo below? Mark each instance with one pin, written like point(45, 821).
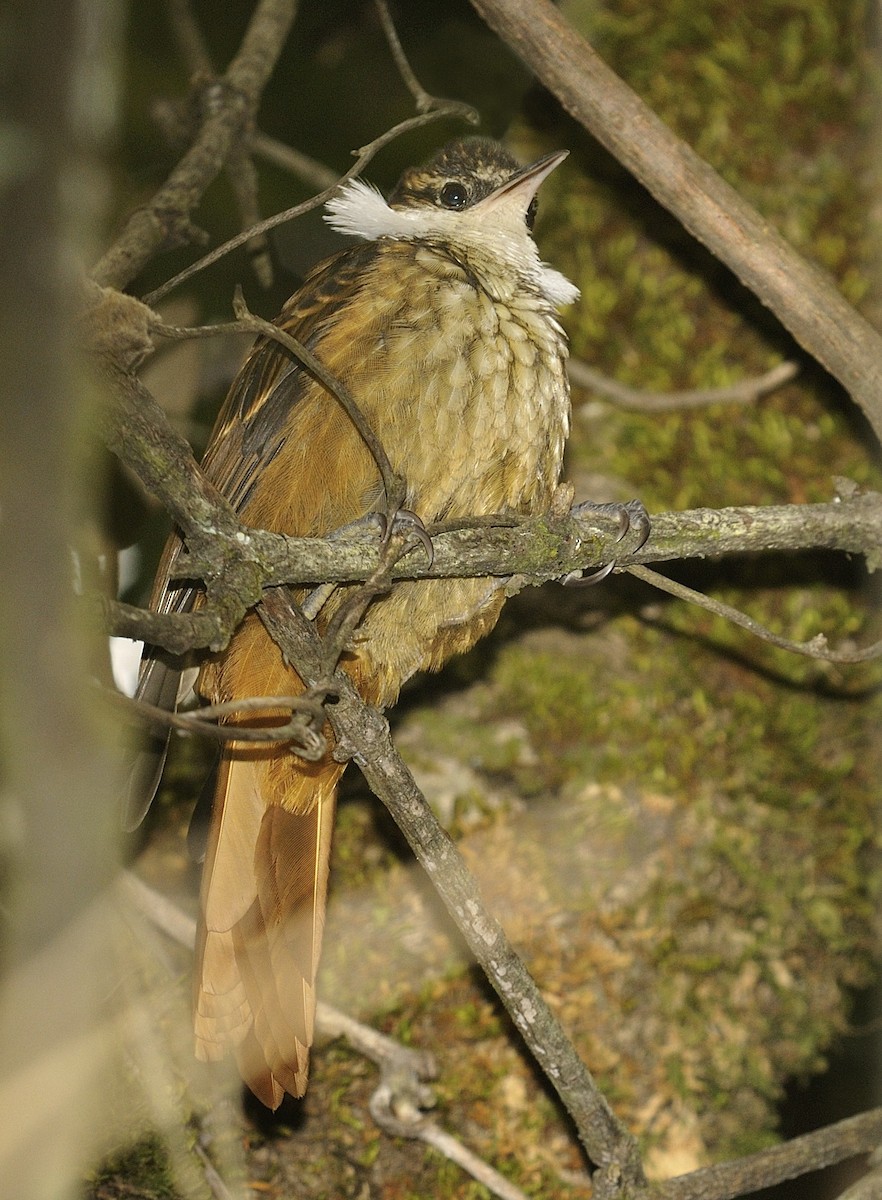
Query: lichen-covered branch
point(535, 550)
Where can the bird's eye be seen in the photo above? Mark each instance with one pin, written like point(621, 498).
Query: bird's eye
point(454, 195)
point(531, 213)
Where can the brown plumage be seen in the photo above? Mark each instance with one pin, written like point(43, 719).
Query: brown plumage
point(443, 327)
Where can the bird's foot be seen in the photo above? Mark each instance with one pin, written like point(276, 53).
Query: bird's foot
point(632, 518)
point(406, 523)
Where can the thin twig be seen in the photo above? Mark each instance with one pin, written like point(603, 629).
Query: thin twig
point(393, 485)
point(746, 391)
point(424, 101)
point(310, 170)
point(303, 730)
point(433, 1135)
point(212, 1176)
point(242, 175)
point(363, 157)
point(816, 647)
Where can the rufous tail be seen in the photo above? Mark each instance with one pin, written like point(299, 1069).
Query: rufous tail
point(264, 888)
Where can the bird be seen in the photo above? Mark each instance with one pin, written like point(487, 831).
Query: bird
point(443, 323)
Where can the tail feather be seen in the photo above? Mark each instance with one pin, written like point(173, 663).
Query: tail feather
point(263, 903)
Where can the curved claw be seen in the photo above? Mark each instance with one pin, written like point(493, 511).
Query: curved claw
point(631, 517)
point(405, 520)
point(577, 579)
point(639, 522)
point(624, 518)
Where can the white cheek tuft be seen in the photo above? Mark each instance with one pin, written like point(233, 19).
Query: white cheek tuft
point(556, 286)
point(359, 210)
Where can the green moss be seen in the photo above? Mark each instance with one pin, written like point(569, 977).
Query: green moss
point(772, 96)
point(773, 898)
point(142, 1170)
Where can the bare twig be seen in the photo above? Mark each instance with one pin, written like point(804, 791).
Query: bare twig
point(242, 175)
point(424, 102)
point(433, 1135)
point(384, 1051)
point(165, 220)
point(303, 730)
point(308, 169)
point(816, 647)
point(746, 391)
point(810, 1152)
point(803, 297)
point(363, 157)
point(212, 1176)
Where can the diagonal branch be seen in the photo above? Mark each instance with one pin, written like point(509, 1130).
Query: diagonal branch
point(809, 1152)
point(802, 296)
point(165, 220)
point(363, 733)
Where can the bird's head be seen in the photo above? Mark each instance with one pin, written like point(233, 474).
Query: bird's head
point(472, 197)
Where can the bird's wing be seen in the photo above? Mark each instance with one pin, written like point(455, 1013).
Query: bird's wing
point(250, 430)
point(253, 423)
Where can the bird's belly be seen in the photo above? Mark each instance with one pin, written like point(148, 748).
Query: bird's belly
point(473, 404)
point(476, 424)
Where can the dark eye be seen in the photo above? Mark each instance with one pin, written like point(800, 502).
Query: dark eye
point(454, 195)
point(531, 213)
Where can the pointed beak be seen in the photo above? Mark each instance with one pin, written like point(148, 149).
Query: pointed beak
point(519, 191)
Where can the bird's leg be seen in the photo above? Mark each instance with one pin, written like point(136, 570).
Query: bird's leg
point(399, 534)
point(405, 522)
point(631, 517)
point(319, 596)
